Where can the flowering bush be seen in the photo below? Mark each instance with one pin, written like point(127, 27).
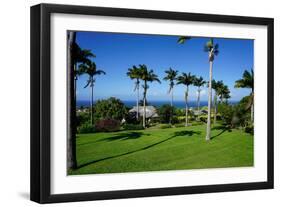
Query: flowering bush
point(107, 125)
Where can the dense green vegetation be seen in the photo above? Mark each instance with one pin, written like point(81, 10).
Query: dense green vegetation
point(163, 149)
point(108, 137)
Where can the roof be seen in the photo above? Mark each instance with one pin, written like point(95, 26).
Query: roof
point(150, 111)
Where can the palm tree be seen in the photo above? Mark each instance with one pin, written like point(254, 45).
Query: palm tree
point(71, 139)
point(226, 93)
point(212, 50)
point(147, 76)
point(217, 86)
point(91, 69)
point(80, 56)
point(199, 82)
point(223, 93)
point(186, 80)
point(247, 81)
point(134, 74)
point(171, 77)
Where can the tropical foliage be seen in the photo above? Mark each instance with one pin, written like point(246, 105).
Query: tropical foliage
point(212, 50)
point(171, 76)
point(166, 114)
point(146, 76)
point(247, 81)
point(135, 74)
point(111, 108)
point(111, 115)
point(199, 82)
point(217, 86)
point(186, 80)
point(91, 70)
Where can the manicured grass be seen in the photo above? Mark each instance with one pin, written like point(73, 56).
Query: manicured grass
point(163, 149)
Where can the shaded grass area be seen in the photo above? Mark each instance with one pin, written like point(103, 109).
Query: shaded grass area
point(163, 149)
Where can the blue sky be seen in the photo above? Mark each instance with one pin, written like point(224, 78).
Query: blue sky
point(116, 52)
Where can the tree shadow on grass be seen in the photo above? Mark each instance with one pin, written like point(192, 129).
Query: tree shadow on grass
point(224, 128)
point(176, 134)
point(120, 136)
point(125, 136)
point(186, 132)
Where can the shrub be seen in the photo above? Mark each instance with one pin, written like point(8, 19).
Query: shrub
point(82, 118)
point(203, 119)
point(166, 112)
point(107, 125)
point(228, 114)
point(85, 128)
point(165, 126)
point(179, 125)
point(175, 120)
point(218, 117)
point(131, 118)
point(234, 115)
point(180, 112)
point(133, 127)
point(181, 118)
point(196, 123)
point(249, 129)
point(111, 108)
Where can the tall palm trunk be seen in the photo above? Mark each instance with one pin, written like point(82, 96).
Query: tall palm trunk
point(186, 106)
point(71, 138)
point(198, 102)
point(252, 113)
point(215, 108)
point(172, 97)
point(172, 103)
point(198, 99)
point(144, 106)
point(138, 97)
point(92, 99)
point(208, 130)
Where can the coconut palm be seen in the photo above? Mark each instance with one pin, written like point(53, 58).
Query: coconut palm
point(217, 86)
point(91, 70)
point(171, 77)
point(247, 81)
point(199, 82)
point(147, 76)
point(81, 56)
point(134, 74)
point(186, 80)
point(223, 93)
point(212, 50)
point(226, 93)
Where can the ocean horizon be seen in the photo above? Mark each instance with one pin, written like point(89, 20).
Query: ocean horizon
point(132, 103)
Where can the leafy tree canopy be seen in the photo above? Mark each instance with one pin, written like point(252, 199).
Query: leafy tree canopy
point(111, 108)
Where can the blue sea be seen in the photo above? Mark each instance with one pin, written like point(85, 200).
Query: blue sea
point(130, 103)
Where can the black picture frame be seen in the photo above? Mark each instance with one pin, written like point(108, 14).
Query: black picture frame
point(40, 103)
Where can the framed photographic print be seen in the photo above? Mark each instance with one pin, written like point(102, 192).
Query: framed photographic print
point(133, 103)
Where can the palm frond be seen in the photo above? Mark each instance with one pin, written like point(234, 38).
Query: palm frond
point(183, 39)
point(247, 80)
point(100, 72)
point(88, 83)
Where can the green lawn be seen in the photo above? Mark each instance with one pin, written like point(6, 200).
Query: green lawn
point(162, 149)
